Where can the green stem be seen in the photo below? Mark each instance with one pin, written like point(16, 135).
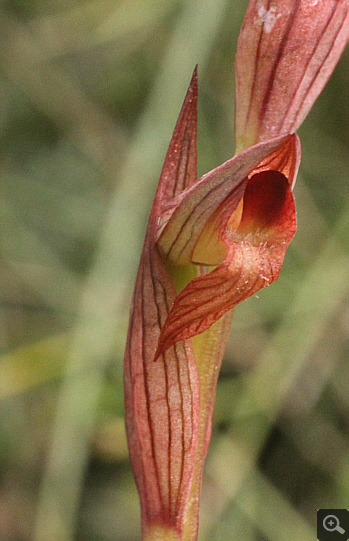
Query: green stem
point(208, 349)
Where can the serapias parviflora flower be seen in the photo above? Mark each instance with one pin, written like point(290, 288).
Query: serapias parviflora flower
point(213, 242)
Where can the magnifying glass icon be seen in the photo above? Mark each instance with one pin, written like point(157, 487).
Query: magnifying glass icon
point(331, 524)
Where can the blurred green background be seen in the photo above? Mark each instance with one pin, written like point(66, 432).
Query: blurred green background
point(89, 95)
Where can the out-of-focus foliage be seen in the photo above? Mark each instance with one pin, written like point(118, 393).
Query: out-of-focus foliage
point(90, 92)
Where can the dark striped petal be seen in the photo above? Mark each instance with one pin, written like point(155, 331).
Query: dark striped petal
point(287, 50)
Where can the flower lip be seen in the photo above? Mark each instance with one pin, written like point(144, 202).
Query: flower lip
point(255, 252)
point(257, 212)
point(263, 202)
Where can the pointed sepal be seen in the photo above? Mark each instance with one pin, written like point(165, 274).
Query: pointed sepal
point(162, 399)
point(286, 52)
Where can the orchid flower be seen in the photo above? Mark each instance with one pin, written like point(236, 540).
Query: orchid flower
point(213, 242)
